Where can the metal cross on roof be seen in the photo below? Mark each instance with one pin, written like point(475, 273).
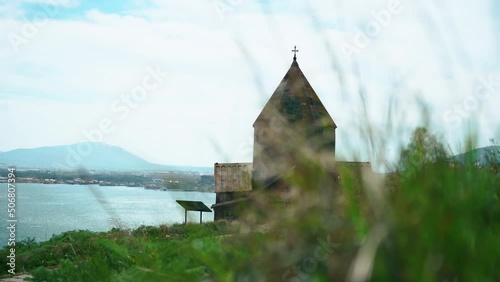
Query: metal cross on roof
point(295, 52)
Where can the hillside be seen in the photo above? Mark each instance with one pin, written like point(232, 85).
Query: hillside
point(89, 155)
point(482, 156)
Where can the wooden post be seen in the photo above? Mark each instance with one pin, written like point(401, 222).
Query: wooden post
point(185, 216)
point(200, 217)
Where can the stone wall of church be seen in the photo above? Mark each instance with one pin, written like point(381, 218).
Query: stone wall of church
point(278, 149)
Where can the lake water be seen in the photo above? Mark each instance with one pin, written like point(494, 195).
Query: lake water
point(44, 209)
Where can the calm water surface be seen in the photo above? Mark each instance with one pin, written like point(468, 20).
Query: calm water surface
point(43, 209)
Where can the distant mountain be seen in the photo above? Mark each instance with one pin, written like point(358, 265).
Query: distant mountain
point(89, 155)
point(482, 156)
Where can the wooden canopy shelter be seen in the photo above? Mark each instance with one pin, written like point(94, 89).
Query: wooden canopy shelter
point(193, 206)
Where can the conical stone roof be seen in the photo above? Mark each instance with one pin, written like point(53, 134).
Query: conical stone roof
point(296, 101)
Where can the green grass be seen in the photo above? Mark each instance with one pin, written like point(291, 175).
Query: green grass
point(431, 222)
point(146, 253)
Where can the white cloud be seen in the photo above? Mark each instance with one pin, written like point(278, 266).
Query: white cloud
point(63, 3)
point(212, 94)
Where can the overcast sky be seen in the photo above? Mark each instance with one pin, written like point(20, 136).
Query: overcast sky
point(181, 82)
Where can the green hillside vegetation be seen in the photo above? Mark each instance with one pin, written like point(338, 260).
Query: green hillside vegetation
point(430, 221)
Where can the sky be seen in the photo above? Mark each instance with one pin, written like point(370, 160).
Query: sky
point(181, 82)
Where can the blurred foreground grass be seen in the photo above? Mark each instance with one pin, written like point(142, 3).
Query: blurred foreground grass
point(434, 220)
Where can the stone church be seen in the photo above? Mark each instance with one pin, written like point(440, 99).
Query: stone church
point(294, 124)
